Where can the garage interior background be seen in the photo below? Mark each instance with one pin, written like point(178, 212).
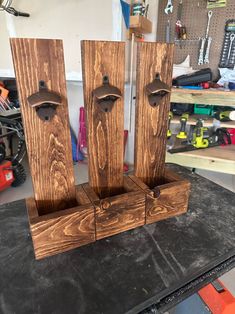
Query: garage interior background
point(103, 21)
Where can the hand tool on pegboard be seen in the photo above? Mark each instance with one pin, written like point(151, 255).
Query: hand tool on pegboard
point(205, 43)
point(168, 31)
point(180, 29)
point(232, 37)
point(227, 58)
point(169, 7)
point(211, 4)
point(178, 23)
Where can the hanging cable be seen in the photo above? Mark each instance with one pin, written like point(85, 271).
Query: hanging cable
point(5, 5)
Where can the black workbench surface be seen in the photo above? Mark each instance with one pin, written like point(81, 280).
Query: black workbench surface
point(158, 264)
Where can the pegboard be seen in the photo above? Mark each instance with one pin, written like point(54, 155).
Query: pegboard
point(194, 17)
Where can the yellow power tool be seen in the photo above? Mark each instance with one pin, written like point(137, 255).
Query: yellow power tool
point(169, 133)
point(183, 120)
point(200, 135)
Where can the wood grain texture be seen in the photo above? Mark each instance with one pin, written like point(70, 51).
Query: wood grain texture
point(105, 130)
point(119, 213)
point(60, 231)
point(205, 97)
point(151, 123)
point(173, 199)
point(48, 143)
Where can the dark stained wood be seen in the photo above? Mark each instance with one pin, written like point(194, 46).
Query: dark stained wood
point(90, 193)
point(60, 231)
point(48, 143)
point(105, 130)
point(173, 201)
point(140, 183)
point(44, 96)
point(151, 123)
point(119, 213)
point(173, 197)
point(81, 196)
point(172, 176)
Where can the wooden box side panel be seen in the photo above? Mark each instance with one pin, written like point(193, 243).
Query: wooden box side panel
point(48, 143)
point(60, 231)
point(151, 122)
point(119, 213)
point(105, 129)
point(173, 201)
point(172, 176)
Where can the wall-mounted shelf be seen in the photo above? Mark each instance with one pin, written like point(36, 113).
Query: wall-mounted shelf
point(204, 97)
point(140, 24)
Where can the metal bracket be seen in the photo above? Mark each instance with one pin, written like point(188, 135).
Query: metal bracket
point(45, 102)
point(156, 91)
point(106, 95)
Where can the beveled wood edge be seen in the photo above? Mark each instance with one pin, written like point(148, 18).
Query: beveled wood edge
point(41, 256)
point(170, 176)
point(128, 184)
point(83, 204)
point(160, 217)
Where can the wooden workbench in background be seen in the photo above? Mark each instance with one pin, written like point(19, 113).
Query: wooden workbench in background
point(220, 159)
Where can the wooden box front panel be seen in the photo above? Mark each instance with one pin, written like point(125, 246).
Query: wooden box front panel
point(118, 213)
point(63, 230)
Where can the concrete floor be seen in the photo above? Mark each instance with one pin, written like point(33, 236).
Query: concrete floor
point(26, 190)
point(81, 176)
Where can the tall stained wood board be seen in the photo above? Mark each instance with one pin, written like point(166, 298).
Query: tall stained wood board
point(105, 129)
point(151, 122)
point(48, 142)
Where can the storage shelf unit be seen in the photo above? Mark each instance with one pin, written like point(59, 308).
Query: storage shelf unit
point(204, 97)
point(207, 121)
point(219, 159)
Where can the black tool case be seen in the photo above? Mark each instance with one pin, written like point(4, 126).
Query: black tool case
point(198, 77)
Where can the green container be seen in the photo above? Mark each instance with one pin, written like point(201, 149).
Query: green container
point(203, 109)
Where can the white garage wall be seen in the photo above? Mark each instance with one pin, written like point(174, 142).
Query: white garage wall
point(71, 21)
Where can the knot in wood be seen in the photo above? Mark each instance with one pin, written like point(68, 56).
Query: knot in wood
point(105, 204)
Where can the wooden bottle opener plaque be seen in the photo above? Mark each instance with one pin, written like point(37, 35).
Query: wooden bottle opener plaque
point(166, 193)
point(63, 216)
point(119, 202)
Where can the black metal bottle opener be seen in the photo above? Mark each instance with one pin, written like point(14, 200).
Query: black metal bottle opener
point(106, 95)
point(45, 102)
point(156, 91)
